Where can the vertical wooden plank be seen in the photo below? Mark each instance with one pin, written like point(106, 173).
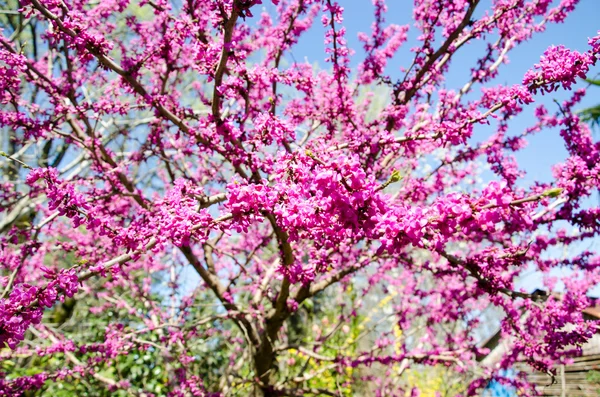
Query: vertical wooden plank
point(563, 381)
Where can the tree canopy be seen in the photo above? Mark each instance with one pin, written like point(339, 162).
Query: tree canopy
point(186, 210)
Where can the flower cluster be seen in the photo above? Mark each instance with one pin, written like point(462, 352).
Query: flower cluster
point(558, 67)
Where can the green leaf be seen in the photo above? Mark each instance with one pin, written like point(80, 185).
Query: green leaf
point(593, 82)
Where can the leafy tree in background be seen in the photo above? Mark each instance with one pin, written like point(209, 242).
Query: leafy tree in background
point(592, 114)
point(188, 211)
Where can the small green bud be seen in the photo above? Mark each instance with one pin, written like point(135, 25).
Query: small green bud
point(309, 153)
point(396, 176)
point(4, 154)
point(554, 192)
point(309, 304)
